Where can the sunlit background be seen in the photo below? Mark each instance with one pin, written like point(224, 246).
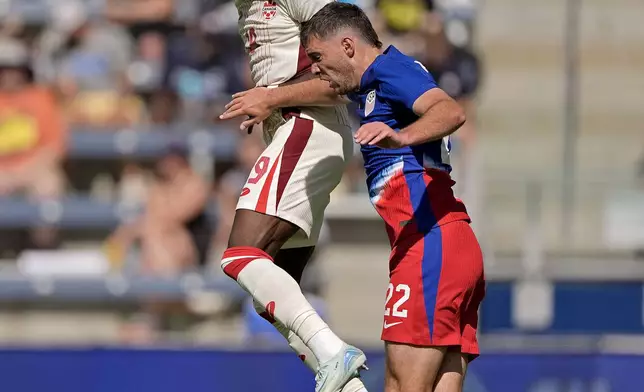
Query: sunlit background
point(109, 272)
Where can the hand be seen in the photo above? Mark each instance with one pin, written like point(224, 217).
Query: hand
point(253, 103)
point(379, 134)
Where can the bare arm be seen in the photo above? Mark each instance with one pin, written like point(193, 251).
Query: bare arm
point(310, 92)
point(440, 116)
point(139, 11)
point(258, 103)
point(189, 199)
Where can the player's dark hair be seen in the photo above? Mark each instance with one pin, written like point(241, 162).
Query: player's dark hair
point(336, 16)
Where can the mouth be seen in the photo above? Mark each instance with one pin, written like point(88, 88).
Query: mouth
point(332, 84)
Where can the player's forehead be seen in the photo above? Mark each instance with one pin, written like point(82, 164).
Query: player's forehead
point(318, 44)
point(313, 45)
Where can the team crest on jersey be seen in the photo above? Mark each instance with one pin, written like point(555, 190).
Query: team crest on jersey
point(370, 104)
point(269, 10)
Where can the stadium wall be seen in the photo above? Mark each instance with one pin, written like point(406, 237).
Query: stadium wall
point(170, 370)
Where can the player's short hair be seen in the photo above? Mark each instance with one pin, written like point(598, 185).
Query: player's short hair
point(336, 16)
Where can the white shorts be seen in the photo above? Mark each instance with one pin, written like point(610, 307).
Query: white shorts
point(295, 175)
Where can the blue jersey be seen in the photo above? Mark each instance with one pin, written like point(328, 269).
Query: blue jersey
point(388, 90)
point(410, 184)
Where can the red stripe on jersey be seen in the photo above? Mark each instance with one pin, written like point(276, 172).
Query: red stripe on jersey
point(293, 149)
point(263, 195)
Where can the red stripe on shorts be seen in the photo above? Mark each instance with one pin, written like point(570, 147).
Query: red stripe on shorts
point(262, 202)
point(293, 149)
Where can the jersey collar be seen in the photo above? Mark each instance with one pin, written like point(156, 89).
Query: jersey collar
point(369, 74)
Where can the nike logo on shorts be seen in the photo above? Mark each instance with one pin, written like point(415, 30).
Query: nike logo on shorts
point(386, 326)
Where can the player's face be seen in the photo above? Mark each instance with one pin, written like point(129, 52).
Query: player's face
point(332, 64)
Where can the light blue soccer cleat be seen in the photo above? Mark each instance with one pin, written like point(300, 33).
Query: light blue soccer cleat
point(334, 374)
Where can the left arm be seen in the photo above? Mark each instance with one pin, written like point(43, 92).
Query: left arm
point(439, 114)
point(414, 88)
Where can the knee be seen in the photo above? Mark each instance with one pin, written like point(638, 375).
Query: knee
point(235, 259)
point(391, 383)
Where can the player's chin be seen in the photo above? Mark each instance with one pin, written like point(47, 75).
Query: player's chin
point(340, 90)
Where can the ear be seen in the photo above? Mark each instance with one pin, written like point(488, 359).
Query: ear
point(349, 46)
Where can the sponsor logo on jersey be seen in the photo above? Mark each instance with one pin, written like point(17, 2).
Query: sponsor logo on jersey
point(269, 10)
point(370, 104)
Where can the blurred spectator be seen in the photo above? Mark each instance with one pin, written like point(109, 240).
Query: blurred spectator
point(164, 107)
point(457, 71)
point(203, 68)
point(88, 60)
point(139, 11)
point(231, 183)
point(174, 232)
point(146, 72)
point(400, 23)
point(32, 134)
point(32, 138)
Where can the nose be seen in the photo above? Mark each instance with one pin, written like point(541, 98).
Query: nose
point(315, 69)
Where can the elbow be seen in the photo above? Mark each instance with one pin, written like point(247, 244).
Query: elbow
point(458, 117)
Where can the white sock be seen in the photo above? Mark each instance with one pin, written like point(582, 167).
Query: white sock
point(302, 351)
point(296, 344)
point(281, 296)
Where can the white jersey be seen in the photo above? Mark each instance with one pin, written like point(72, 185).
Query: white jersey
point(271, 34)
point(306, 154)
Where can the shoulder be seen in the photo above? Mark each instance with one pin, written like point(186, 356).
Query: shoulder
point(399, 69)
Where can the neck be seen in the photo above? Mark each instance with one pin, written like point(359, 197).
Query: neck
point(365, 60)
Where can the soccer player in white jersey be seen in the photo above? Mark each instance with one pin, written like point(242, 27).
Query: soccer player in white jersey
point(281, 207)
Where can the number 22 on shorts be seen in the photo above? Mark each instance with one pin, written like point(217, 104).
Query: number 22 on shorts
point(397, 309)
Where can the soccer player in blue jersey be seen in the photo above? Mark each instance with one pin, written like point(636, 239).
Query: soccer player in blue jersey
point(436, 265)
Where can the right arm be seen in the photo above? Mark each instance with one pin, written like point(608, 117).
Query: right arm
point(308, 92)
point(258, 103)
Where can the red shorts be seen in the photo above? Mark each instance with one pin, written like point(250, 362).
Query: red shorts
point(436, 270)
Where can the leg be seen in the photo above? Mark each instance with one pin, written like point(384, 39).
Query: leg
point(435, 291)
point(411, 368)
point(452, 372)
point(255, 240)
point(285, 196)
point(277, 295)
point(293, 262)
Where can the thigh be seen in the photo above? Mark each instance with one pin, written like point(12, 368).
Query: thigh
point(294, 177)
point(266, 232)
point(436, 285)
point(412, 368)
point(451, 375)
point(461, 288)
